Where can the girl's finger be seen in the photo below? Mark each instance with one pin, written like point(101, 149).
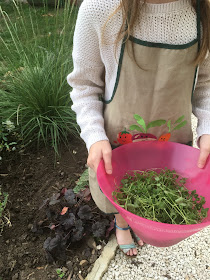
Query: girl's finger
point(202, 158)
point(107, 156)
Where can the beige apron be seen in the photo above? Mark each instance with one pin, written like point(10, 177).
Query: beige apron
point(158, 93)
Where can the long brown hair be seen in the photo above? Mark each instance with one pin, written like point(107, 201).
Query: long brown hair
point(130, 11)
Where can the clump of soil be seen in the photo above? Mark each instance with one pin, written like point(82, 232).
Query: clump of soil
point(29, 180)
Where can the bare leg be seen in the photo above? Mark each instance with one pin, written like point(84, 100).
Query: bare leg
point(124, 236)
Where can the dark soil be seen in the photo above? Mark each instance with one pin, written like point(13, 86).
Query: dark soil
point(29, 180)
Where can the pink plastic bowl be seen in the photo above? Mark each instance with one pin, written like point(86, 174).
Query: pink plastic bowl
point(154, 154)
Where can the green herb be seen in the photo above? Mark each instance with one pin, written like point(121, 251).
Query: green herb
point(60, 273)
point(160, 195)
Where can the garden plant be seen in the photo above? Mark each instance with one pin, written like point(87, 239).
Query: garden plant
point(35, 58)
point(35, 111)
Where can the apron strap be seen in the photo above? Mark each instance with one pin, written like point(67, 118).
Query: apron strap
point(198, 11)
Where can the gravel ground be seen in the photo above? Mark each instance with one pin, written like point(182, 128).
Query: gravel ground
point(187, 260)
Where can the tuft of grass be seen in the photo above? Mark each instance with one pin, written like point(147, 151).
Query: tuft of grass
point(34, 63)
point(39, 103)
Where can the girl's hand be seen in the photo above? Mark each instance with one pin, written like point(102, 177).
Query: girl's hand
point(204, 150)
point(100, 150)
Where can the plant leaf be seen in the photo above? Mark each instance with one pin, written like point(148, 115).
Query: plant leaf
point(64, 210)
point(179, 119)
point(85, 194)
point(180, 125)
point(52, 227)
point(12, 143)
point(180, 200)
point(85, 212)
point(183, 204)
point(156, 123)
point(83, 182)
point(99, 228)
point(77, 231)
point(169, 125)
point(140, 121)
point(70, 197)
point(136, 127)
point(63, 191)
point(111, 227)
point(69, 221)
point(54, 199)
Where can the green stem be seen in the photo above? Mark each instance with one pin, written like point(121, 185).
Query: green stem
point(176, 209)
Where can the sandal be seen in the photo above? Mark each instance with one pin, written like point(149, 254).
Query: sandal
point(137, 238)
point(125, 248)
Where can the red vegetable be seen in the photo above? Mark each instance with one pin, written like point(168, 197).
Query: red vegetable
point(124, 137)
point(143, 137)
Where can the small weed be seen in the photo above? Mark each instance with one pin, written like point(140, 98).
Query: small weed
point(8, 138)
point(4, 215)
point(60, 273)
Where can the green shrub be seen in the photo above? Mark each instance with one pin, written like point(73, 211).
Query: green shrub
point(35, 62)
point(40, 104)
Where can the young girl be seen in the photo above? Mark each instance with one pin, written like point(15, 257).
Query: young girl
point(134, 57)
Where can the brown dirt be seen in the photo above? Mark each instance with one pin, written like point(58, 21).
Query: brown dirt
point(29, 180)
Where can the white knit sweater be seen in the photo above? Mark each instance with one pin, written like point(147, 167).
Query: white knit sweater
point(171, 23)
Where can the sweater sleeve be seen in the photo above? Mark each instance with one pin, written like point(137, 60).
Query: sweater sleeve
point(201, 99)
point(87, 78)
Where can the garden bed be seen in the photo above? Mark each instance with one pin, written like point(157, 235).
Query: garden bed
point(29, 180)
